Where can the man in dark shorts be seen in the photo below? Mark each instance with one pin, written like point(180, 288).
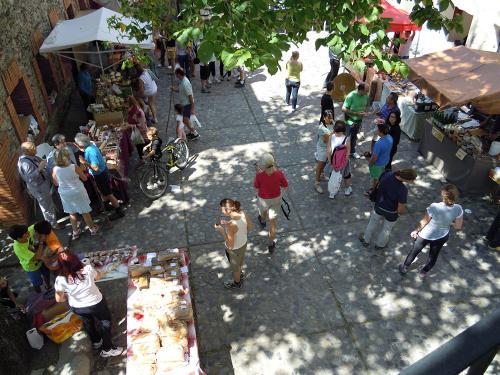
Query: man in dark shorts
point(94, 161)
point(187, 100)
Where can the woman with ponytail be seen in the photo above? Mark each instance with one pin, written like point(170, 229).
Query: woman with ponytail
point(434, 228)
point(235, 233)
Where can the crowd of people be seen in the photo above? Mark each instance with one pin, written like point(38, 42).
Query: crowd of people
point(336, 144)
point(67, 168)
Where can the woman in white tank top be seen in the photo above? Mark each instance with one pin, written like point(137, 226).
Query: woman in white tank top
point(235, 233)
point(75, 200)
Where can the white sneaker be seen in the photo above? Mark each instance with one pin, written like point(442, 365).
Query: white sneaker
point(356, 155)
point(159, 65)
point(170, 66)
point(331, 196)
point(112, 352)
point(318, 188)
point(216, 80)
point(348, 190)
point(97, 345)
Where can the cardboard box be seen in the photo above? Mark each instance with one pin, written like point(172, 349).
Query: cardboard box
point(106, 118)
point(54, 310)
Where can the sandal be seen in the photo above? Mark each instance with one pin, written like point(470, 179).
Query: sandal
point(93, 232)
point(76, 235)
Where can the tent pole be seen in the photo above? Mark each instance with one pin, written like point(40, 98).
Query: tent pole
point(99, 54)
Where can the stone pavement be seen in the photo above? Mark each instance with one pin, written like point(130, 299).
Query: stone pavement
point(322, 304)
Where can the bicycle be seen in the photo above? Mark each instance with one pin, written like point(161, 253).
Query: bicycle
point(154, 181)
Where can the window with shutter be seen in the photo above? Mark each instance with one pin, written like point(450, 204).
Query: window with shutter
point(21, 103)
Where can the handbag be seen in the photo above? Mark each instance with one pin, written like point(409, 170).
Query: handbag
point(152, 74)
point(136, 136)
point(194, 121)
point(285, 207)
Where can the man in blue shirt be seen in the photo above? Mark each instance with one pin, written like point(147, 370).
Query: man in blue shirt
point(381, 153)
point(85, 85)
point(96, 164)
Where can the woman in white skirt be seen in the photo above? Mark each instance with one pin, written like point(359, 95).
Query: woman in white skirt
point(75, 200)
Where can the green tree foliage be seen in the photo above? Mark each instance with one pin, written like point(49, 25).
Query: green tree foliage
point(257, 32)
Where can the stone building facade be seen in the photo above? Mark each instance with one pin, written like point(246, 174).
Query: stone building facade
point(34, 89)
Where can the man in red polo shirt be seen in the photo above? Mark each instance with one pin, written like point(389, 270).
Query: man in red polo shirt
point(269, 181)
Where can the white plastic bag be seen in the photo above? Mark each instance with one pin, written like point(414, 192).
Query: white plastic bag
point(334, 182)
point(136, 136)
point(34, 338)
point(194, 121)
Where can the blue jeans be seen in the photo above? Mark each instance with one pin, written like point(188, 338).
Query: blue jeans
point(292, 88)
point(184, 63)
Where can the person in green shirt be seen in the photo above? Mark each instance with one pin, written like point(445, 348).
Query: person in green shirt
point(30, 254)
point(292, 83)
point(355, 106)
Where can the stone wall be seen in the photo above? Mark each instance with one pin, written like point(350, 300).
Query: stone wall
point(21, 20)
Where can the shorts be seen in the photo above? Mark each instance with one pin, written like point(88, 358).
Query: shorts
point(320, 155)
point(204, 72)
point(186, 112)
point(102, 182)
point(236, 258)
point(376, 171)
point(346, 172)
point(272, 206)
point(171, 52)
point(36, 276)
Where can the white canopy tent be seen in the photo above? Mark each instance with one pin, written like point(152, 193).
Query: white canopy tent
point(91, 28)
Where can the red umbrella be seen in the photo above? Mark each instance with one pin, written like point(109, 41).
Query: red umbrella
point(400, 19)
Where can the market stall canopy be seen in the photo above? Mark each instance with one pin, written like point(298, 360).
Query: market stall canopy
point(90, 28)
point(400, 19)
point(459, 76)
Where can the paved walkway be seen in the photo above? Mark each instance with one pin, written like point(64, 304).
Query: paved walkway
point(322, 304)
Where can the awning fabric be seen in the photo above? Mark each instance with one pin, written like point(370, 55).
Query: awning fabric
point(459, 76)
point(89, 28)
point(400, 19)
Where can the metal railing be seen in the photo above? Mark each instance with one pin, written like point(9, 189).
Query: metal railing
point(474, 349)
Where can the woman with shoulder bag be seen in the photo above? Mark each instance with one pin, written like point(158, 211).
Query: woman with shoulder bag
point(137, 118)
point(235, 233)
point(293, 68)
point(434, 229)
point(341, 169)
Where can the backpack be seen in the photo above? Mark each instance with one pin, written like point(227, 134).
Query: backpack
point(339, 156)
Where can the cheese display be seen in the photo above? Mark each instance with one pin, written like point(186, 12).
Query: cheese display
point(161, 335)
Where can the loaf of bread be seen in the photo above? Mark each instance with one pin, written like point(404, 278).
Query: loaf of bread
point(144, 343)
point(136, 367)
point(156, 270)
point(168, 254)
point(170, 358)
point(137, 270)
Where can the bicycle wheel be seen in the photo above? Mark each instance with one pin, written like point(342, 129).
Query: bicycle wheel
point(181, 153)
point(154, 182)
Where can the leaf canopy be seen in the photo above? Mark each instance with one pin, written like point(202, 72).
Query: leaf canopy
point(257, 32)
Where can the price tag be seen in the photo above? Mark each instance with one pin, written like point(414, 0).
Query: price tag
point(438, 134)
point(461, 154)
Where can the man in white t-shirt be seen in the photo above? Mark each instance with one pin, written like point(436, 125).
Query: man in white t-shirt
point(187, 100)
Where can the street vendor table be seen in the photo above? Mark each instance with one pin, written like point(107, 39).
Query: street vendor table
point(412, 122)
point(136, 320)
point(469, 175)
